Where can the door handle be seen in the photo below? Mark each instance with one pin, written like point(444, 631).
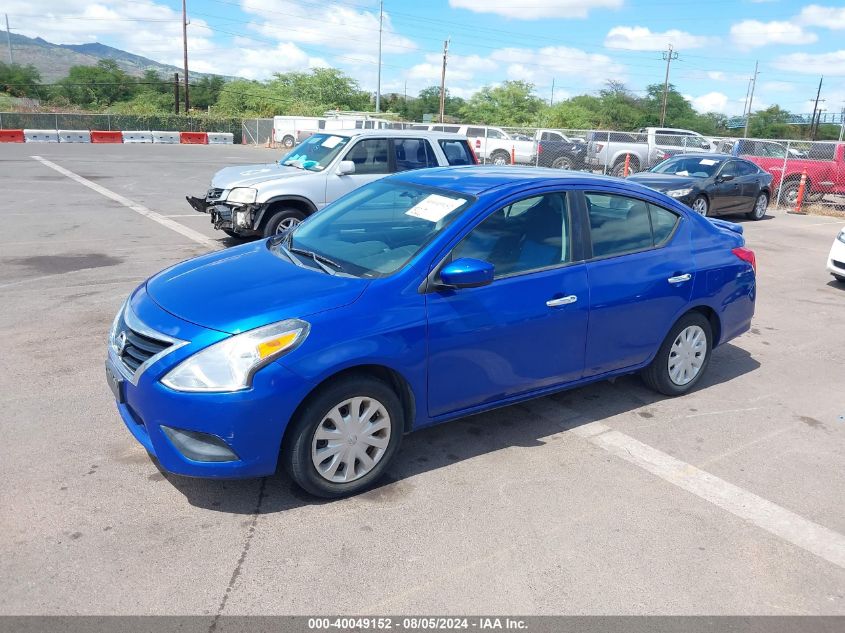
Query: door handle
point(561, 301)
point(677, 279)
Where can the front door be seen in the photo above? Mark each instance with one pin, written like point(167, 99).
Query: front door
point(372, 161)
point(525, 330)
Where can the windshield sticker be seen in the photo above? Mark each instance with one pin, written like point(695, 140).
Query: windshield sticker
point(708, 161)
point(332, 141)
point(682, 173)
point(434, 208)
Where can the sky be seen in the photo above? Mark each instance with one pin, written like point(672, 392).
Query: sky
point(576, 44)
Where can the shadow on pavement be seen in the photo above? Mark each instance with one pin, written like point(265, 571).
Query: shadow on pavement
point(459, 440)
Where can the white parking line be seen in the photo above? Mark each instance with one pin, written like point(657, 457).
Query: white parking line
point(196, 236)
point(801, 532)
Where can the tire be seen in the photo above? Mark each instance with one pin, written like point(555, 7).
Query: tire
point(658, 375)
point(619, 168)
point(301, 455)
point(789, 192)
point(760, 206)
point(500, 157)
point(562, 162)
point(282, 220)
point(288, 141)
point(701, 205)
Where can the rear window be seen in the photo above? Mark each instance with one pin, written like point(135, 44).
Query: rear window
point(457, 152)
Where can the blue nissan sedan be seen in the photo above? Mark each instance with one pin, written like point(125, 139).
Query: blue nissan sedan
point(417, 299)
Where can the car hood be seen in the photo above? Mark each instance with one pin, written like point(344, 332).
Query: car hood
point(664, 182)
point(248, 175)
point(248, 286)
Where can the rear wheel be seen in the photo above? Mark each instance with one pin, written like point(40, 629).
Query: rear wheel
point(760, 206)
point(619, 168)
point(282, 220)
point(682, 358)
point(701, 205)
point(500, 157)
point(344, 438)
point(288, 141)
point(562, 162)
point(789, 193)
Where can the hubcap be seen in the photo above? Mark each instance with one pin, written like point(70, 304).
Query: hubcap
point(499, 160)
point(687, 355)
point(351, 439)
point(287, 223)
point(700, 206)
point(791, 195)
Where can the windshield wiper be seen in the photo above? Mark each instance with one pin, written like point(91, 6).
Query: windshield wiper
point(320, 260)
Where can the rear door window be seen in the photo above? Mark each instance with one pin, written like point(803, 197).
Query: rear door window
point(413, 153)
point(457, 152)
point(620, 225)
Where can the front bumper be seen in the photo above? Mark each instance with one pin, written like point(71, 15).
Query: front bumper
point(836, 259)
point(251, 423)
point(239, 219)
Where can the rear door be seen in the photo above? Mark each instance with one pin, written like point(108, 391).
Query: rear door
point(727, 196)
point(641, 274)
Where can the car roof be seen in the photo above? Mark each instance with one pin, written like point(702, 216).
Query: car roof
point(396, 133)
point(718, 155)
point(476, 179)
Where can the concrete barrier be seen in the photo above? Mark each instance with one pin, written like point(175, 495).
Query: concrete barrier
point(221, 138)
point(165, 137)
point(137, 136)
point(193, 138)
point(106, 136)
point(11, 136)
point(74, 136)
point(41, 136)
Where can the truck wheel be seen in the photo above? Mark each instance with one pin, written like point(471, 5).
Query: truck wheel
point(562, 162)
point(789, 192)
point(343, 438)
point(288, 141)
point(282, 220)
point(619, 168)
point(500, 157)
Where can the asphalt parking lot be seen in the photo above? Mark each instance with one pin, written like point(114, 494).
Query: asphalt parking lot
point(601, 500)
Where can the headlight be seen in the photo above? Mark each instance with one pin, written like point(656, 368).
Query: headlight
point(114, 324)
point(230, 364)
point(841, 236)
point(679, 193)
point(242, 195)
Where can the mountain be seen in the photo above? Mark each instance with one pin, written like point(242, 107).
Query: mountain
point(53, 61)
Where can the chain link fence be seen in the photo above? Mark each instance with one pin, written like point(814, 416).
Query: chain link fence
point(257, 131)
point(123, 122)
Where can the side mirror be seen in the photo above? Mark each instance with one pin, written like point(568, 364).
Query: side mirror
point(726, 178)
point(467, 273)
point(345, 167)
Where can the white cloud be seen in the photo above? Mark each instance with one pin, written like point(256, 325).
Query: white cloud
point(536, 9)
point(458, 68)
point(562, 62)
point(331, 26)
point(777, 86)
point(813, 63)
point(754, 34)
point(710, 102)
point(828, 17)
point(640, 38)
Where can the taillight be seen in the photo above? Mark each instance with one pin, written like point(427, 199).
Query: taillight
point(599, 147)
point(539, 148)
point(746, 255)
point(472, 152)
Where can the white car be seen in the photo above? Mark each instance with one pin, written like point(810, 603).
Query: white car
point(836, 258)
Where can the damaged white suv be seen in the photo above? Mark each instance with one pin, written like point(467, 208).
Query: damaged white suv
point(266, 199)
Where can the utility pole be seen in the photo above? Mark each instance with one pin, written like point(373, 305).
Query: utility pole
point(443, 80)
point(813, 126)
point(842, 125)
point(9, 40)
point(185, 47)
point(668, 56)
point(745, 103)
point(176, 92)
point(751, 99)
point(380, 29)
point(552, 99)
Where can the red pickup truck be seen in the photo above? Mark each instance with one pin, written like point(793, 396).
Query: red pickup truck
point(824, 164)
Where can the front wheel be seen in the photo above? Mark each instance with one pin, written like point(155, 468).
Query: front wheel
point(682, 358)
point(701, 206)
point(760, 206)
point(562, 162)
point(500, 158)
point(343, 439)
point(619, 169)
point(281, 221)
point(288, 141)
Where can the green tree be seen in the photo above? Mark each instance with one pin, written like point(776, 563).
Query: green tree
point(206, 91)
point(773, 122)
point(20, 81)
point(242, 97)
point(512, 103)
point(428, 102)
point(319, 90)
point(97, 86)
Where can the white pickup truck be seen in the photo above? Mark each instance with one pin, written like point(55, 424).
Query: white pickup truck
point(644, 148)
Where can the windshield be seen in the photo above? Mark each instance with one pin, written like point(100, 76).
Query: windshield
point(316, 152)
point(689, 166)
point(375, 230)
